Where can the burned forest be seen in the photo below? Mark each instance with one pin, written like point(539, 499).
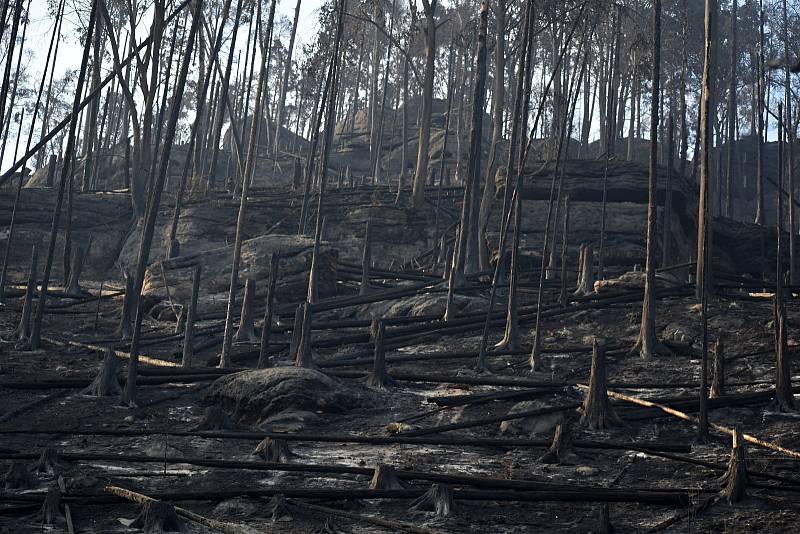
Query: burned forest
point(344, 266)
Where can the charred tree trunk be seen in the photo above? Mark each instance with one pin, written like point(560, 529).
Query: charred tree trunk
point(287, 70)
point(498, 107)
point(647, 343)
point(68, 153)
point(148, 228)
point(225, 357)
point(423, 152)
point(188, 334)
point(269, 311)
point(759, 219)
point(24, 328)
point(732, 111)
point(706, 109)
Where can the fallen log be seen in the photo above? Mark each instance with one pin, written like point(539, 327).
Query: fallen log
point(371, 440)
point(391, 525)
point(694, 420)
point(490, 420)
point(577, 494)
point(445, 478)
point(140, 498)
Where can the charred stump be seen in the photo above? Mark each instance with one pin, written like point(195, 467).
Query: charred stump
point(180, 320)
point(598, 414)
point(128, 300)
point(561, 450)
point(304, 357)
point(279, 513)
point(604, 525)
point(735, 478)
point(106, 383)
point(49, 462)
point(379, 378)
point(274, 450)
point(214, 418)
point(784, 398)
point(50, 512)
point(297, 328)
point(586, 272)
point(17, 477)
point(718, 376)
point(24, 328)
point(157, 517)
point(247, 329)
point(562, 295)
point(191, 312)
point(438, 499)
point(366, 259)
point(384, 477)
point(73, 288)
point(269, 311)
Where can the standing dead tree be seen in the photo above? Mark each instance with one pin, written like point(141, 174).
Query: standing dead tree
point(303, 357)
point(423, 150)
point(225, 356)
point(65, 169)
point(467, 233)
point(512, 203)
point(647, 344)
point(148, 228)
point(704, 216)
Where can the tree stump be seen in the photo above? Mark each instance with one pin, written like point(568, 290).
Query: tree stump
point(17, 477)
point(274, 450)
point(50, 512)
point(784, 398)
point(278, 511)
point(247, 329)
point(304, 357)
point(214, 418)
point(379, 378)
point(366, 259)
point(105, 384)
point(598, 414)
point(718, 377)
point(188, 335)
point(269, 311)
point(24, 328)
point(735, 478)
point(561, 450)
point(385, 478)
point(438, 499)
point(604, 525)
point(157, 517)
point(73, 288)
point(586, 276)
point(124, 329)
point(49, 462)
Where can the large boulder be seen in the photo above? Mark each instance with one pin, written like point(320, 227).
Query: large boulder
point(295, 252)
point(262, 395)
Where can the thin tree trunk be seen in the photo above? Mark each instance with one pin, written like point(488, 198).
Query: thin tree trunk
point(225, 357)
point(647, 343)
point(65, 169)
point(706, 107)
point(423, 152)
point(287, 70)
point(498, 106)
point(148, 228)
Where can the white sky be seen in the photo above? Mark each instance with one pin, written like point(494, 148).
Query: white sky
point(40, 30)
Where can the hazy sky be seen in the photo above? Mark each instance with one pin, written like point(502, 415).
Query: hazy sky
point(40, 30)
